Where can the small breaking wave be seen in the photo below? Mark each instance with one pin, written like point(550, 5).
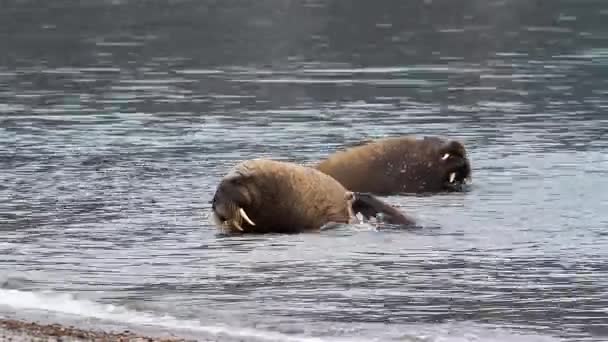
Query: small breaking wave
point(68, 304)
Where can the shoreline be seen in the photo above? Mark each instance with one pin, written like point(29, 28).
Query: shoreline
point(17, 330)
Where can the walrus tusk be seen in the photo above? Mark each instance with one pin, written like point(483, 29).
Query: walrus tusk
point(452, 177)
point(237, 225)
point(244, 215)
point(445, 156)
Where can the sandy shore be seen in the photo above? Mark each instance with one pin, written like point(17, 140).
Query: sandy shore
point(21, 331)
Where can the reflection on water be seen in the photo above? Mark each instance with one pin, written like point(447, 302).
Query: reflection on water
point(118, 118)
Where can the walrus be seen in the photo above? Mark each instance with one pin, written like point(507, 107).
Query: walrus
point(270, 196)
point(398, 165)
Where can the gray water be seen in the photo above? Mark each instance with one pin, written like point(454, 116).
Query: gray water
point(118, 118)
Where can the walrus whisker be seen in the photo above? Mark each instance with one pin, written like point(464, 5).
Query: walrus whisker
point(235, 219)
point(244, 215)
point(445, 156)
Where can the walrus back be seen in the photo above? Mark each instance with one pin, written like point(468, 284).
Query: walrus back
point(370, 167)
point(293, 197)
point(393, 165)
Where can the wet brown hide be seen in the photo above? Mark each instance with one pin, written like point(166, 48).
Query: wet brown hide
point(284, 197)
point(396, 165)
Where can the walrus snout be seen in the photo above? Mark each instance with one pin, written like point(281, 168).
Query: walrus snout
point(457, 166)
point(229, 203)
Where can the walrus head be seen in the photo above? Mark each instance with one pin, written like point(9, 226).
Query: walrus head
point(457, 168)
point(232, 197)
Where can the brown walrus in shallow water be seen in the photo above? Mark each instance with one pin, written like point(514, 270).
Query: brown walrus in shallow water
point(397, 165)
point(269, 196)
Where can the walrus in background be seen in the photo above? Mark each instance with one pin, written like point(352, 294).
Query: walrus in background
point(269, 196)
point(395, 165)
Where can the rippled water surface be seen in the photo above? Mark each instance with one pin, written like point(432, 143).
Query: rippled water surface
point(117, 119)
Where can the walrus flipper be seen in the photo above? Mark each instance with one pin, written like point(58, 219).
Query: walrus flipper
point(371, 206)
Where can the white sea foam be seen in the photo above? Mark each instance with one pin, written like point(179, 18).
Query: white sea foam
point(68, 304)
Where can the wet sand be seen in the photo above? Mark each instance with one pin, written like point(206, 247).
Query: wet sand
point(21, 331)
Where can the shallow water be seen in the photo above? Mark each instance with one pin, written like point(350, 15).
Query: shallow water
point(117, 119)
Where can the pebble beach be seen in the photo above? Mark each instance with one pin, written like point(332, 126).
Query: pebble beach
point(22, 331)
